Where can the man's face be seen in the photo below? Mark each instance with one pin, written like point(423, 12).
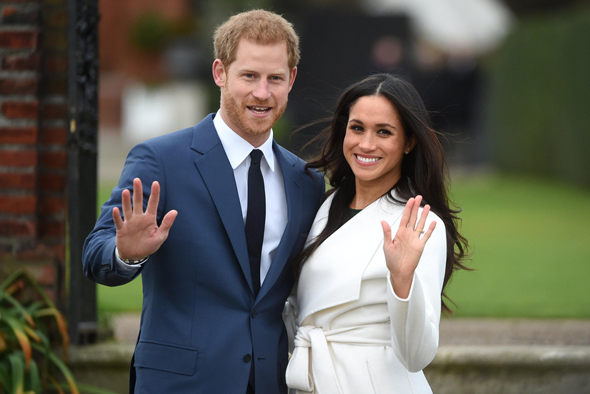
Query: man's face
point(254, 89)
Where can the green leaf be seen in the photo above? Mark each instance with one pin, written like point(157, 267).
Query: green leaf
point(34, 306)
point(10, 280)
point(17, 369)
point(21, 273)
point(39, 291)
point(55, 384)
point(33, 382)
point(61, 325)
point(5, 381)
point(32, 334)
point(18, 329)
point(61, 366)
point(17, 305)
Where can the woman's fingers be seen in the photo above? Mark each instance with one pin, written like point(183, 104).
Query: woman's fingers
point(414, 212)
point(428, 232)
point(422, 221)
point(406, 214)
point(386, 230)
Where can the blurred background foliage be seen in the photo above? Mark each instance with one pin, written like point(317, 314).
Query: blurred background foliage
point(539, 96)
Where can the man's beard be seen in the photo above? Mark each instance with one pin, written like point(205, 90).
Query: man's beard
point(239, 116)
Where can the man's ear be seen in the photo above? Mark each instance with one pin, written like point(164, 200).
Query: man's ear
point(292, 79)
point(219, 73)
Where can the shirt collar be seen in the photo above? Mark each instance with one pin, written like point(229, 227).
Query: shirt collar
point(238, 149)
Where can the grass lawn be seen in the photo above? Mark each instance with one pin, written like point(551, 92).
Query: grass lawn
point(530, 247)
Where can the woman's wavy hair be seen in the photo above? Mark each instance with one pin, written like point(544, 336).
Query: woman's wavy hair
point(423, 169)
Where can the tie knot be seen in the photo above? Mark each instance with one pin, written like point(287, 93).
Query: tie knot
point(256, 156)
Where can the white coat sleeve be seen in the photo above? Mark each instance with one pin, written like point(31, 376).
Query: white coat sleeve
point(415, 320)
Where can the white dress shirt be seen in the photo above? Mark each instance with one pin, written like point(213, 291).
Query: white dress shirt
point(238, 151)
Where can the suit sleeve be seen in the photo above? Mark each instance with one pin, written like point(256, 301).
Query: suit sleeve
point(98, 254)
point(290, 312)
point(415, 320)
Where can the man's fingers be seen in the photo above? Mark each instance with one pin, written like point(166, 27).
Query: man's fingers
point(168, 221)
point(126, 201)
point(152, 205)
point(117, 219)
point(137, 197)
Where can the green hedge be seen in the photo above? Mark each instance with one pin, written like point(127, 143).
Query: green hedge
point(540, 98)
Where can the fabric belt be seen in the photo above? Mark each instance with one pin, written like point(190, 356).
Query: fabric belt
point(322, 375)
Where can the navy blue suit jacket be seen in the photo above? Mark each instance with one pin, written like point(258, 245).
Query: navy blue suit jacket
point(200, 320)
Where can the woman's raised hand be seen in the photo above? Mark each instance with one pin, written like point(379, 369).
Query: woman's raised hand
point(403, 252)
point(139, 235)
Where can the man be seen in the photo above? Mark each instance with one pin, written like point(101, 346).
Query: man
point(228, 212)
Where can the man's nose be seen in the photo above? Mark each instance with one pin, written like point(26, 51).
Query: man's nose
point(262, 92)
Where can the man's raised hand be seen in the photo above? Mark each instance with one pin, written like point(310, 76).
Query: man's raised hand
point(138, 235)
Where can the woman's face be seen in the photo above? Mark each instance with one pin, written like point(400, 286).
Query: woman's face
point(375, 143)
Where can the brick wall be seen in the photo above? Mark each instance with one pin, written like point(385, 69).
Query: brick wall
point(33, 153)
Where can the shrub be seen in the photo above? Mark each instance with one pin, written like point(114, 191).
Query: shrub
point(30, 326)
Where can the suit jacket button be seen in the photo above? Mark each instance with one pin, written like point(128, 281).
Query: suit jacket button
point(253, 314)
point(247, 358)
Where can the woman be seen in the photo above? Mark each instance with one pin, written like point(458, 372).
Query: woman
point(368, 306)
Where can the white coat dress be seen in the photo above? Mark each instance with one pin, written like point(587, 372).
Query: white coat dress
point(353, 334)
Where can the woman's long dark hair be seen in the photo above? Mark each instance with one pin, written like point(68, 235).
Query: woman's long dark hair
point(423, 168)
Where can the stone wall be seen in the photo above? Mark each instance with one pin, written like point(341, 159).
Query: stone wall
point(455, 369)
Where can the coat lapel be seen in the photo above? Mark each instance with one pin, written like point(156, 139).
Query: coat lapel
point(217, 173)
point(291, 179)
point(333, 274)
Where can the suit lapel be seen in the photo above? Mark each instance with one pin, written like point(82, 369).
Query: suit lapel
point(217, 173)
point(291, 179)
